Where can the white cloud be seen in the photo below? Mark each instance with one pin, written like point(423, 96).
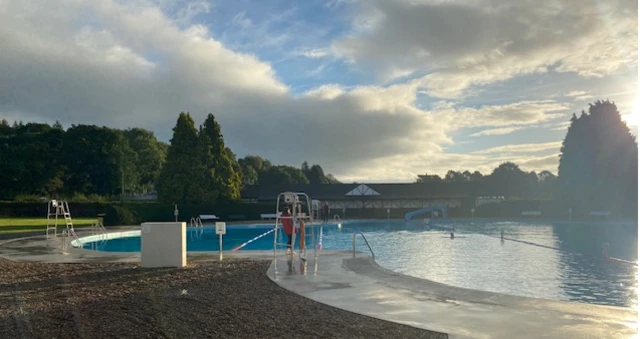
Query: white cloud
point(316, 53)
point(496, 131)
point(191, 9)
point(241, 20)
point(518, 113)
point(138, 68)
point(125, 64)
point(522, 148)
point(401, 168)
point(579, 95)
point(470, 43)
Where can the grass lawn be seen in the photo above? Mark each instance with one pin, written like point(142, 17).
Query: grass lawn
point(11, 225)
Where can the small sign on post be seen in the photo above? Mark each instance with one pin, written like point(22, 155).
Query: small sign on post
point(221, 229)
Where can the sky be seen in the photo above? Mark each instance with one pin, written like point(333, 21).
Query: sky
point(372, 90)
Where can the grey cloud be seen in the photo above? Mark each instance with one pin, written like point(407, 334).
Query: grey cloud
point(126, 72)
point(130, 65)
point(486, 41)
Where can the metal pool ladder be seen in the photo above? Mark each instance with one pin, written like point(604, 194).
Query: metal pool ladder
point(353, 244)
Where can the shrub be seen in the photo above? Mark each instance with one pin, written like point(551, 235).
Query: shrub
point(120, 216)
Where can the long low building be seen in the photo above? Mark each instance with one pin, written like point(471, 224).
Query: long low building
point(373, 196)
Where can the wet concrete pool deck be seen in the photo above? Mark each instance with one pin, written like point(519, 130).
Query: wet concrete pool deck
point(358, 284)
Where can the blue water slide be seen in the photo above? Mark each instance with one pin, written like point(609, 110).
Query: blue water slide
point(440, 208)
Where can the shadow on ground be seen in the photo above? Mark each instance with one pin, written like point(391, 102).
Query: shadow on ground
point(231, 299)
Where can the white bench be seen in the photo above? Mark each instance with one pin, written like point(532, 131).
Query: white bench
point(270, 215)
point(208, 217)
point(531, 213)
point(599, 213)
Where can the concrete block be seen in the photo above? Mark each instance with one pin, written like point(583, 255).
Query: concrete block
point(164, 244)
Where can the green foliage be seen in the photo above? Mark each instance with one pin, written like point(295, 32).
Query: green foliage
point(451, 177)
point(181, 178)
point(509, 179)
point(598, 167)
point(90, 163)
point(218, 162)
point(259, 171)
point(120, 216)
point(97, 158)
point(150, 157)
point(276, 175)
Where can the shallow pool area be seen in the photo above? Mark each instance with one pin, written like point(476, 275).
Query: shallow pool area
point(559, 261)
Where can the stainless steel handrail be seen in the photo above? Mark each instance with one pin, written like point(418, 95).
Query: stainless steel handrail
point(353, 244)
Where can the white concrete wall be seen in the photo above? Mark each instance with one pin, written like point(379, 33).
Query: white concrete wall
point(164, 244)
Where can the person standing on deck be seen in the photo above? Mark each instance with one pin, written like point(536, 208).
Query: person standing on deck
point(325, 212)
point(287, 225)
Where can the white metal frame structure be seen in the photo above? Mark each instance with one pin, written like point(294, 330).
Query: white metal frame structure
point(293, 199)
point(57, 208)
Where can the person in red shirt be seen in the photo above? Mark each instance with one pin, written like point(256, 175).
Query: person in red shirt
point(287, 225)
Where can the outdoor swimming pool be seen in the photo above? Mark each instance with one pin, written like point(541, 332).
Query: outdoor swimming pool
point(572, 270)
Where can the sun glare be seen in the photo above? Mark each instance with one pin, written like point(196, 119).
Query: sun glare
point(633, 119)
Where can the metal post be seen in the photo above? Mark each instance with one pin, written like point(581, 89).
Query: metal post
point(175, 211)
point(220, 247)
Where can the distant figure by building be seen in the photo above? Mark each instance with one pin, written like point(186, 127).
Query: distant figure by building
point(325, 211)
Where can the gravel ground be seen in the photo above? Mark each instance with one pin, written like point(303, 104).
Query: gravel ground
point(233, 299)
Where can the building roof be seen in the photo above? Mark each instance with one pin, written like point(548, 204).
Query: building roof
point(368, 191)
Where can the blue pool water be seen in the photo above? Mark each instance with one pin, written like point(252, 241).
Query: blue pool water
point(560, 261)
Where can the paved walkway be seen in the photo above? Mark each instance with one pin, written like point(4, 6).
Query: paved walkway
point(359, 285)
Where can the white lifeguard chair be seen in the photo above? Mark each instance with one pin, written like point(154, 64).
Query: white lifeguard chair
point(57, 209)
point(295, 200)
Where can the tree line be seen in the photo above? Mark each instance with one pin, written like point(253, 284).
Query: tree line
point(507, 179)
point(88, 162)
point(598, 164)
point(598, 167)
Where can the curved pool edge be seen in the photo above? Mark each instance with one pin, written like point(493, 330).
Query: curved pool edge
point(362, 286)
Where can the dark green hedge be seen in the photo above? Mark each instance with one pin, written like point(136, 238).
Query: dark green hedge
point(135, 213)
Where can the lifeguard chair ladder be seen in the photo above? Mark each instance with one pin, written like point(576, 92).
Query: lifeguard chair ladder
point(294, 200)
point(55, 209)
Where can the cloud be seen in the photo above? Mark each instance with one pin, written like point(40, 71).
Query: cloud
point(522, 148)
point(136, 67)
point(579, 95)
point(468, 43)
point(316, 53)
point(518, 113)
point(405, 169)
point(496, 131)
point(192, 9)
point(125, 64)
point(241, 20)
